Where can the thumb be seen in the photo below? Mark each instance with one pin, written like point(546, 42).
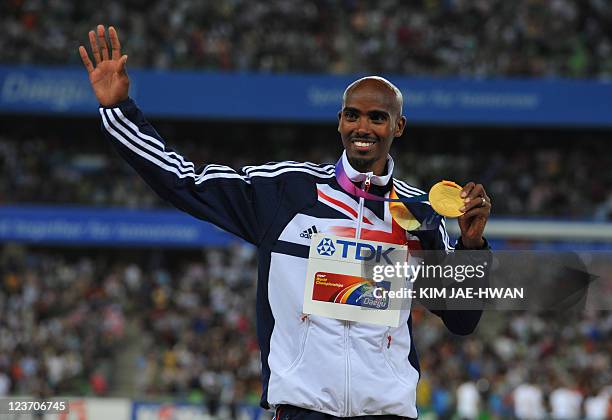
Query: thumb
point(122, 62)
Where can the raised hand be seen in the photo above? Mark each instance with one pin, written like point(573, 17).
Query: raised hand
point(108, 78)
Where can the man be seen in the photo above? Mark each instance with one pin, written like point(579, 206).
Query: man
point(565, 401)
point(468, 400)
point(312, 366)
point(528, 401)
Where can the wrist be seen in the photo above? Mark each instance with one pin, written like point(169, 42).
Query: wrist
point(478, 243)
point(125, 101)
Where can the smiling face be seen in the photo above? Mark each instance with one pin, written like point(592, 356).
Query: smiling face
point(369, 121)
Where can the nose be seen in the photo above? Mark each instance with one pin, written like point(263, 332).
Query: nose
point(363, 127)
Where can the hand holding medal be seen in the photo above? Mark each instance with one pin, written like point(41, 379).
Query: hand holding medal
point(470, 204)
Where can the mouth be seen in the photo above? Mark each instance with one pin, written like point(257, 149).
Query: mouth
point(363, 145)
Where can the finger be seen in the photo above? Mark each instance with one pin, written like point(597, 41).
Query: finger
point(467, 189)
point(477, 191)
point(475, 203)
point(114, 39)
point(94, 47)
point(478, 211)
point(102, 42)
point(122, 62)
point(85, 59)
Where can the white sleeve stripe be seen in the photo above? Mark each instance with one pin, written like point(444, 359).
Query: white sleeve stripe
point(109, 119)
point(216, 166)
point(138, 151)
point(144, 145)
point(189, 172)
point(410, 194)
point(445, 237)
point(325, 169)
point(221, 175)
point(408, 187)
point(288, 162)
point(404, 192)
point(285, 170)
point(202, 177)
point(182, 162)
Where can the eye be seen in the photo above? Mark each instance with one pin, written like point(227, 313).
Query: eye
point(378, 117)
point(350, 115)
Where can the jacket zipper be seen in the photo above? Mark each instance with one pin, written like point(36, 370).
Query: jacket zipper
point(387, 339)
point(347, 394)
point(347, 324)
point(366, 187)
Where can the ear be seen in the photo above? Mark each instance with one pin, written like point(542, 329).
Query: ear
point(339, 119)
point(399, 126)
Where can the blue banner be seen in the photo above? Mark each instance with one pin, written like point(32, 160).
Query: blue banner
point(116, 227)
point(313, 98)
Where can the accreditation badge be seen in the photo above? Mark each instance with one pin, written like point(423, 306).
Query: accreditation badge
point(346, 279)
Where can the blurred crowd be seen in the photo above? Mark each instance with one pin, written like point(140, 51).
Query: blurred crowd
point(546, 38)
point(73, 323)
point(83, 324)
point(526, 365)
point(567, 180)
point(199, 324)
point(59, 324)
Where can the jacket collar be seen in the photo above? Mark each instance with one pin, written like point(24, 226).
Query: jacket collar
point(356, 176)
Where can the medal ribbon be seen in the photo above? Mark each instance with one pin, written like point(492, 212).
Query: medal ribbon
point(347, 185)
point(399, 212)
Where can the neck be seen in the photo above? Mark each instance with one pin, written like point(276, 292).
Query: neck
point(369, 165)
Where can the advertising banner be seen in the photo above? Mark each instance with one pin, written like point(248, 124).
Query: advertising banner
point(272, 97)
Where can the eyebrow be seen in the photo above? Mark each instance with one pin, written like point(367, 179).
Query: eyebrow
point(371, 112)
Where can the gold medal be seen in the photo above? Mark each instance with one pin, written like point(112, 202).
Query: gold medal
point(445, 198)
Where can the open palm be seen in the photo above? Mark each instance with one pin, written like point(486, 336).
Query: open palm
point(108, 78)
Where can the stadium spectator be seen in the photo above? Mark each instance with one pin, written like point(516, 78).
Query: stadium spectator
point(597, 406)
point(565, 402)
point(467, 38)
point(468, 401)
point(5, 384)
point(529, 402)
point(533, 180)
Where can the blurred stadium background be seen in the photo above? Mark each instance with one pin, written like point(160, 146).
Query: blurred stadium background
point(112, 298)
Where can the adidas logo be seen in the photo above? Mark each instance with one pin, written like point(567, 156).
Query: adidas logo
point(308, 232)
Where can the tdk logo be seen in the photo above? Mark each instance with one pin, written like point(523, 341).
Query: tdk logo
point(326, 247)
point(357, 250)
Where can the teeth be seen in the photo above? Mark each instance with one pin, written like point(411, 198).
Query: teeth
point(362, 143)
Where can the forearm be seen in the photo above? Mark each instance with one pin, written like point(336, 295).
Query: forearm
point(457, 304)
point(460, 322)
